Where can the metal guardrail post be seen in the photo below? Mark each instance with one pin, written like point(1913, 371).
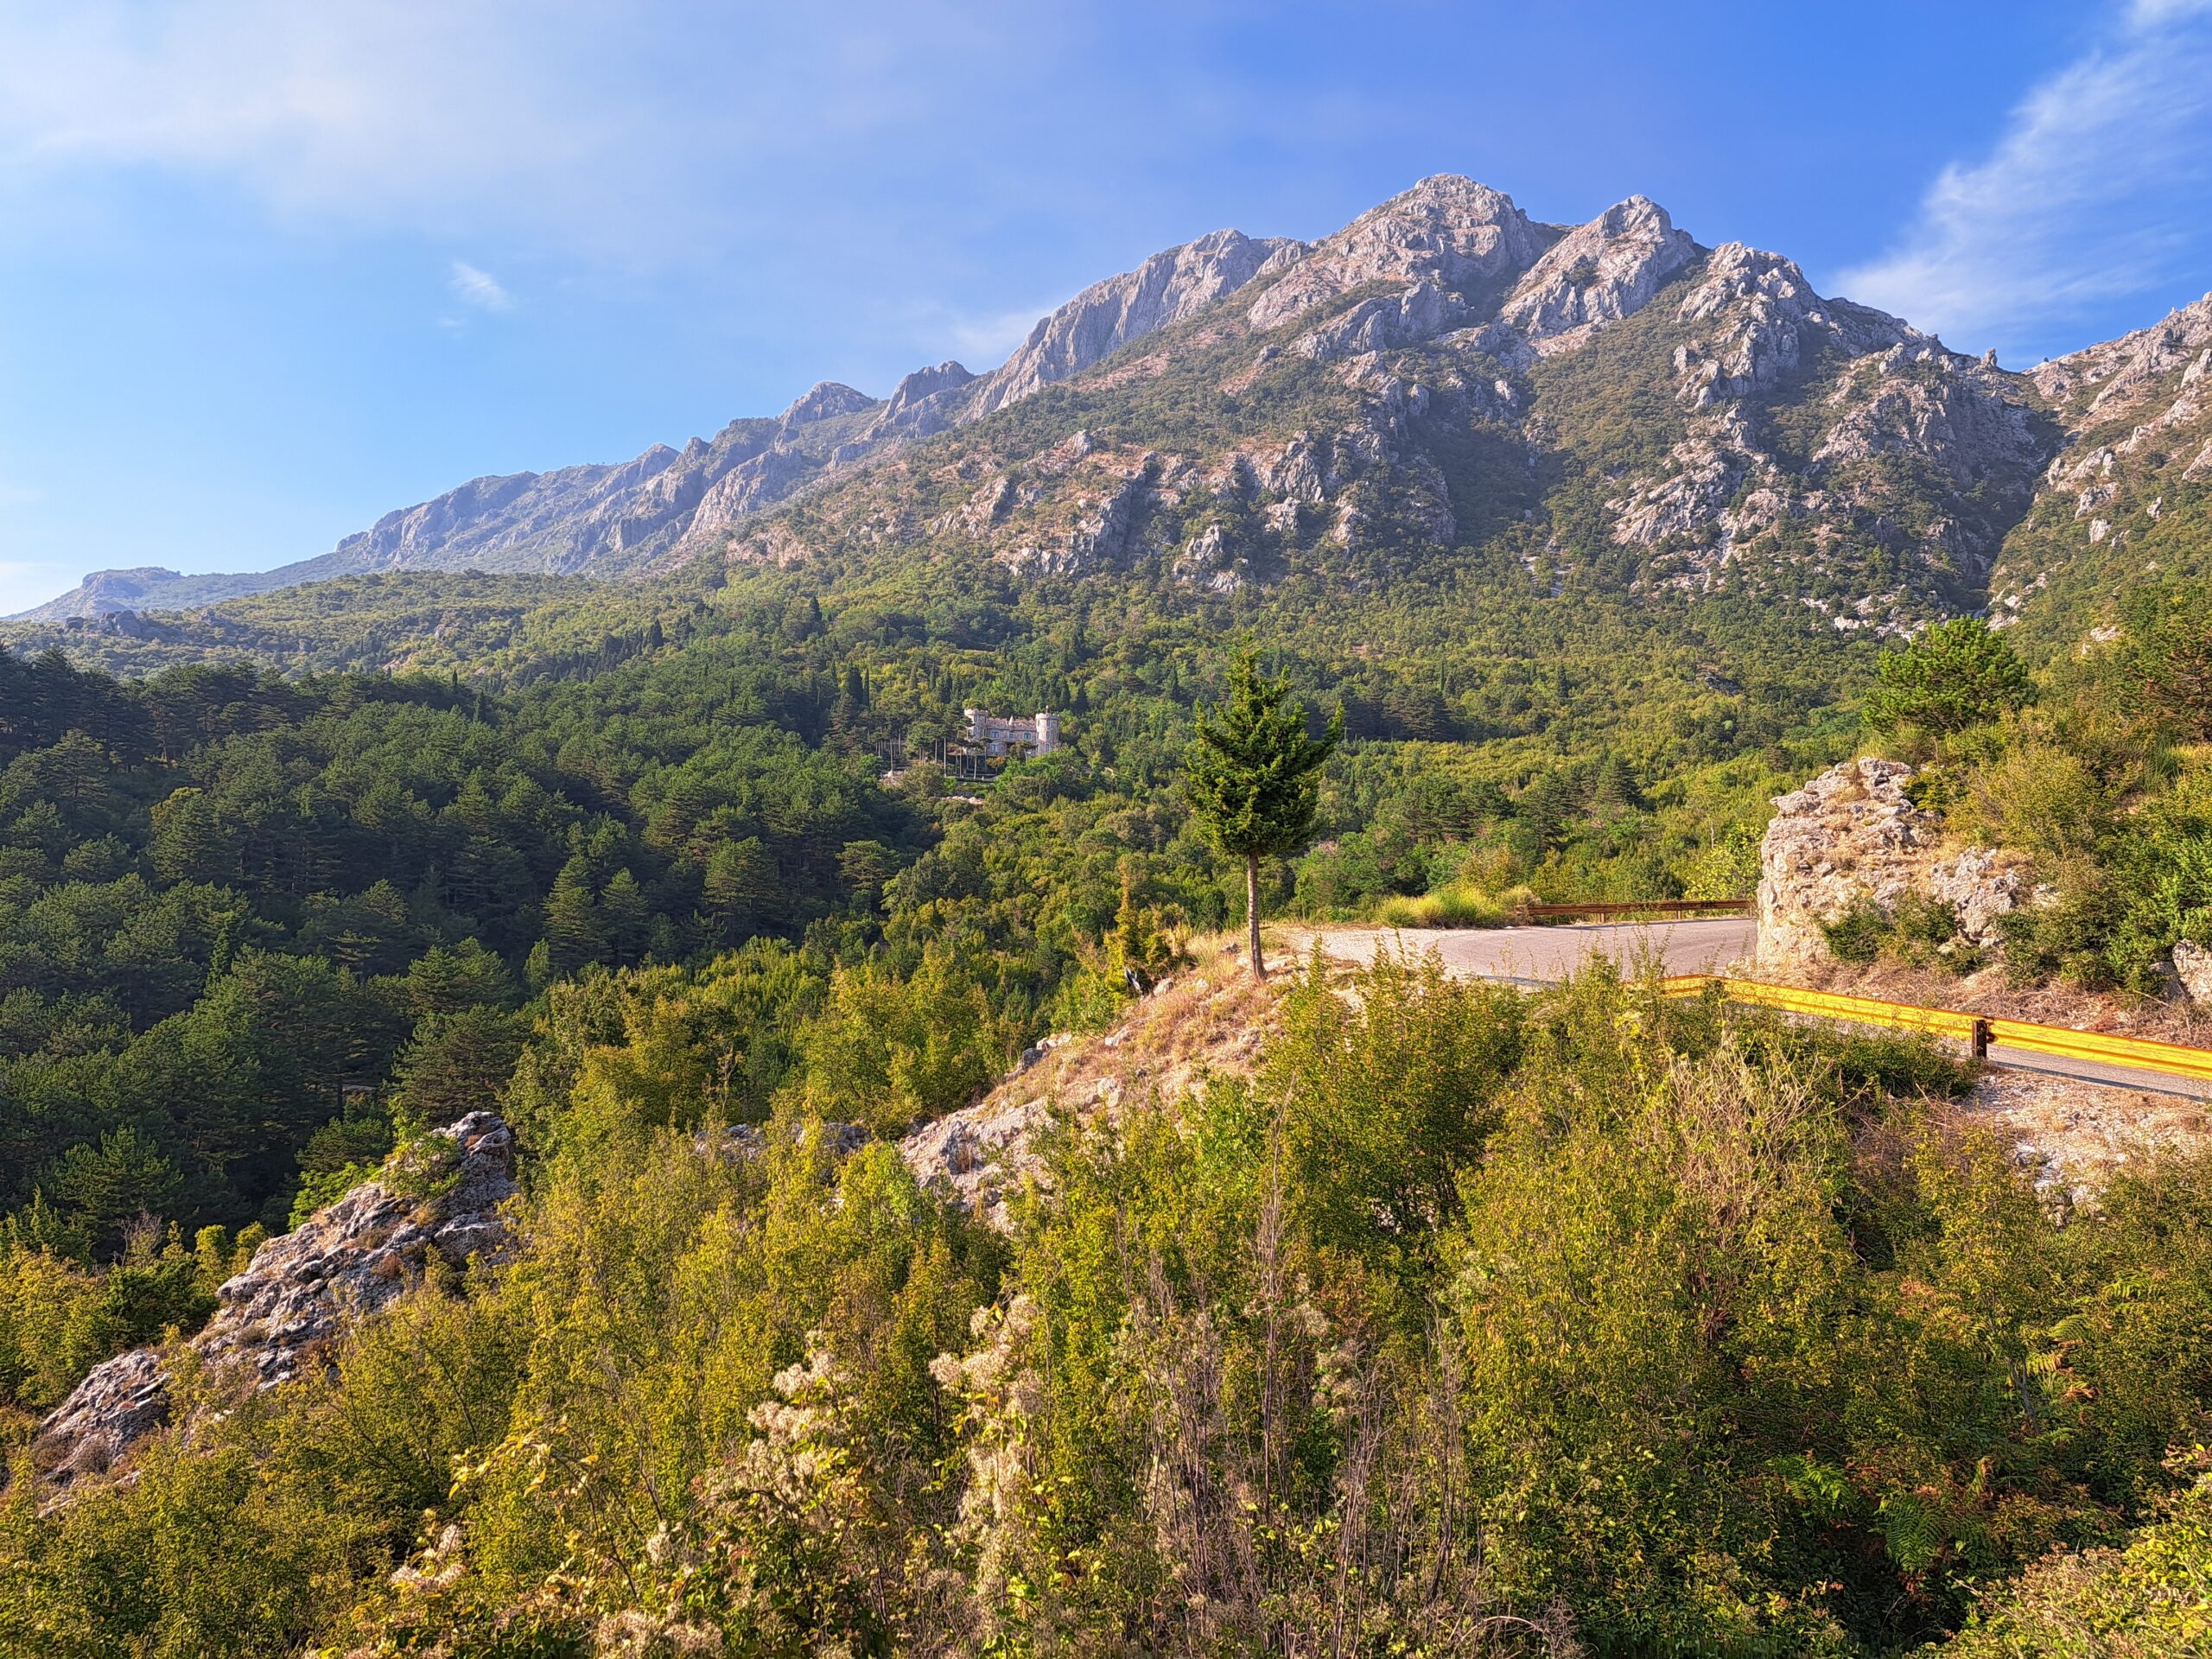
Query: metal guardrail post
point(1981, 1042)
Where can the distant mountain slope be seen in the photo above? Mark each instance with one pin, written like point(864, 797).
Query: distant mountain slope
point(1611, 404)
point(608, 520)
point(2130, 497)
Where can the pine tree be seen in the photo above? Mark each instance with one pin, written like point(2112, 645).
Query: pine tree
point(574, 934)
point(627, 915)
point(1251, 776)
point(742, 885)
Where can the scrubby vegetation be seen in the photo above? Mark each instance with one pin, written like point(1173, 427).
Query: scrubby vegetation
point(2095, 769)
point(1476, 1322)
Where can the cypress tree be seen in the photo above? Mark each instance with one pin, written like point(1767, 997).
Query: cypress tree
point(1251, 776)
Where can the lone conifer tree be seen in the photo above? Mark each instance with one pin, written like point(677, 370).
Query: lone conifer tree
point(1251, 776)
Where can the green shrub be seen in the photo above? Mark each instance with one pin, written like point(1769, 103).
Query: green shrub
point(1457, 905)
point(1858, 935)
point(1953, 675)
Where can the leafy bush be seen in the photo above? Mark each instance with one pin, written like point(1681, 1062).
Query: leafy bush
point(1858, 935)
point(1455, 905)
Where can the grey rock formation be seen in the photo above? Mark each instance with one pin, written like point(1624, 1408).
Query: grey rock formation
point(981, 1153)
point(279, 1317)
point(1598, 273)
point(1104, 318)
point(1422, 312)
point(2129, 372)
point(918, 405)
point(1460, 237)
point(2193, 972)
point(1852, 836)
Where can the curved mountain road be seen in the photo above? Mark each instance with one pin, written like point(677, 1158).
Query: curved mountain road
point(1541, 954)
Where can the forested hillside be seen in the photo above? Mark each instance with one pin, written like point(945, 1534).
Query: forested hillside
point(1468, 1322)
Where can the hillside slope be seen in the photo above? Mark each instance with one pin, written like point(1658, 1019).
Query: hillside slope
point(1612, 405)
point(1686, 418)
point(2130, 497)
point(610, 518)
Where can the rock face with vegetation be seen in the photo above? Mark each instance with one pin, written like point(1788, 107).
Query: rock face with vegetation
point(2129, 497)
point(439, 1202)
point(1681, 419)
point(1199, 1027)
point(1852, 839)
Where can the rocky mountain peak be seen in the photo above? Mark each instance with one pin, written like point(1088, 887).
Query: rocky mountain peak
point(1166, 289)
point(2109, 378)
point(1599, 273)
point(924, 384)
point(825, 400)
point(1448, 232)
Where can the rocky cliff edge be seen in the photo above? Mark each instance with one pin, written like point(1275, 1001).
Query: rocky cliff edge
point(438, 1198)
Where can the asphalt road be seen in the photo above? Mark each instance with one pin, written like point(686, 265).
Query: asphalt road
point(1549, 953)
point(1544, 954)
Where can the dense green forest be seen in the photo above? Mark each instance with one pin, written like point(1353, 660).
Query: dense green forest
point(1474, 1322)
point(232, 902)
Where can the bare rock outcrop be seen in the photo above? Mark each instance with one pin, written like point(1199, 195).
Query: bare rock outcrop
point(279, 1318)
point(1455, 235)
point(1852, 836)
point(1598, 273)
point(1207, 1023)
point(1106, 317)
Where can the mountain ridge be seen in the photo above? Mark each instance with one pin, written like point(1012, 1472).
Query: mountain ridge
point(1818, 451)
point(615, 515)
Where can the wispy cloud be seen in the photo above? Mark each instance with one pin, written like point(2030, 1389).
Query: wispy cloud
point(627, 132)
point(481, 289)
point(980, 339)
point(2099, 188)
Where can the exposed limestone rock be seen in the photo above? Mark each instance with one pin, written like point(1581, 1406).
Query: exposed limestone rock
point(2114, 376)
point(981, 1153)
point(279, 1318)
point(918, 405)
point(1100, 321)
point(825, 400)
point(1422, 312)
point(2193, 969)
point(1852, 836)
point(1201, 1025)
point(1598, 273)
point(1459, 236)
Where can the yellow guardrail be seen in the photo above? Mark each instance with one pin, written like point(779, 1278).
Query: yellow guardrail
point(1979, 1032)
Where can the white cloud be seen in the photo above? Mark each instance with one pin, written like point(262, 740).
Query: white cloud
point(636, 131)
point(478, 288)
point(2098, 189)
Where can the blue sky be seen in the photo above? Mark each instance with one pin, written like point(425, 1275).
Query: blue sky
point(268, 269)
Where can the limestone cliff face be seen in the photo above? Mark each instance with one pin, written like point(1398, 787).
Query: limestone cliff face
point(2126, 497)
point(1100, 321)
point(1852, 836)
point(1273, 401)
point(279, 1318)
point(1460, 241)
point(1595, 274)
